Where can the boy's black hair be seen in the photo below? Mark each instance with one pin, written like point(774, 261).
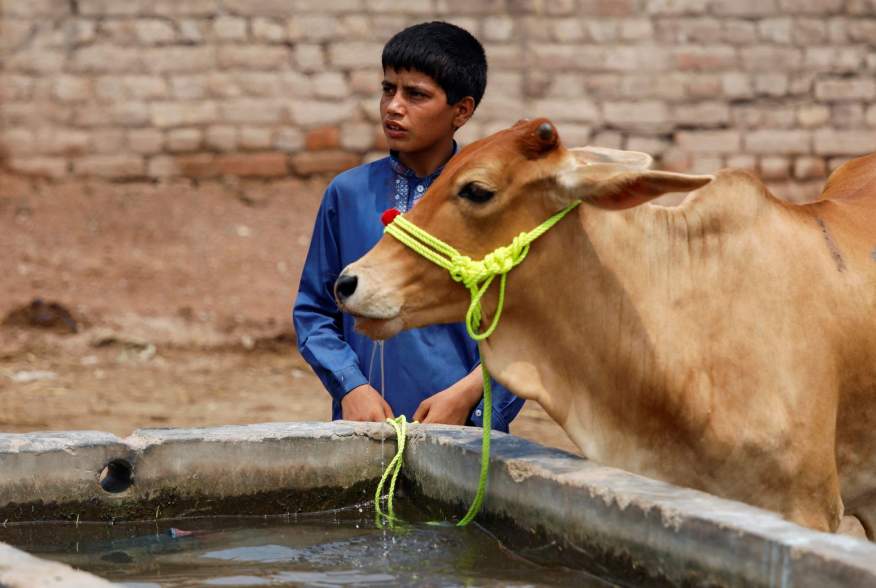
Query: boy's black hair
point(448, 54)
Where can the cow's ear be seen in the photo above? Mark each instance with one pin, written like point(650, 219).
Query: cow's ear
point(626, 159)
point(614, 187)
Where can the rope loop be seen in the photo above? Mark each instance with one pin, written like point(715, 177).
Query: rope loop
point(400, 424)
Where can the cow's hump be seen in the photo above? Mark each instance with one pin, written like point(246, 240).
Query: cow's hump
point(853, 180)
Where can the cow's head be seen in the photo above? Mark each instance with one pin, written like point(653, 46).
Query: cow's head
point(491, 191)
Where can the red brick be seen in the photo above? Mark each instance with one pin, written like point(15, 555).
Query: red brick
point(607, 7)
point(811, 6)
point(840, 89)
point(317, 162)
point(778, 141)
point(53, 167)
point(198, 165)
point(207, 165)
point(264, 165)
point(705, 58)
point(746, 8)
point(724, 141)
point(110, 166)
point(323, 138)
point(808, 168)
point(775, 168)
point(851, 142)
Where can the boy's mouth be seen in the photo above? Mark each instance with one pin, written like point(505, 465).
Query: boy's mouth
point(394, 130)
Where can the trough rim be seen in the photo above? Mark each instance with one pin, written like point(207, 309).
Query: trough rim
point(518, 466)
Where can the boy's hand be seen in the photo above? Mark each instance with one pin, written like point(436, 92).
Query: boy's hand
point(453, 405)
point(364, 403)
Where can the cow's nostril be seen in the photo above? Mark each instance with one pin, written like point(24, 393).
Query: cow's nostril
point(345, 286)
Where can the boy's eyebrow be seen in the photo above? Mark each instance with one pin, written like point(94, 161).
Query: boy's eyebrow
point(408, 87)
point(417, 87)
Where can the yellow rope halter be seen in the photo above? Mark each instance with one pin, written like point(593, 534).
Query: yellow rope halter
point(474, 275)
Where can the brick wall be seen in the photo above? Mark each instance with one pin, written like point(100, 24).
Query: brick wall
point(157, 88)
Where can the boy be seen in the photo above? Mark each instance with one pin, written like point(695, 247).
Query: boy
point(434, 77)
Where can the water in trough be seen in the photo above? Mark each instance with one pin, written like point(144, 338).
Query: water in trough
point(343, 547)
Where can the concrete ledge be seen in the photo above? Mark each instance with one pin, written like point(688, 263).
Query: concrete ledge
point(53, 467)
point(631, 528)
point(22, 570)
point(249, 469)
point(248, 459)
point(640, 528)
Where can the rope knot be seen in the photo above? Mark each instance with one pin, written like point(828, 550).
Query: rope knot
point(464, 269)
point(499, 261)
point(503, 259)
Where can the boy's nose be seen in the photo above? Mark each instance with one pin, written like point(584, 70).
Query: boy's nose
point(345, 286)
point(395, 106)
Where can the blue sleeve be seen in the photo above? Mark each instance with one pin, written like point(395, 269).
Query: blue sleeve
point(505, 408)
point(318, 321)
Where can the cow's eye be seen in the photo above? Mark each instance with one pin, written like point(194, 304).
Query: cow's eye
point(475, 192)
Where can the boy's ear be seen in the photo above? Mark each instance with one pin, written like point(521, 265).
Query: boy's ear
point(463, 110)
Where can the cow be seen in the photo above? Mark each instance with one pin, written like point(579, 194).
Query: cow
point(726, 344)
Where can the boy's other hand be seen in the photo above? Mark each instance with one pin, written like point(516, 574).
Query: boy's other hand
point(448, 407)
point(364, 403)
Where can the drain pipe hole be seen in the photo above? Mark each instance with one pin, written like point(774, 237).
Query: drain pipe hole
point(116, 476)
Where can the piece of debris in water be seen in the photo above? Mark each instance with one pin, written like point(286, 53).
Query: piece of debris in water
point(177, 533)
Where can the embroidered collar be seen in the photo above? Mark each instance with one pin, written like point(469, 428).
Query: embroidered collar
point(407, 187)
point(403, 170)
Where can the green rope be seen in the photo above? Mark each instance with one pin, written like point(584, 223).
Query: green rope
point(485, 452)
point(477, 276)
point(474, 275)
point(400, 425)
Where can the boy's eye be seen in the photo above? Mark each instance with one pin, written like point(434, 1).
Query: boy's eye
point(476, 193)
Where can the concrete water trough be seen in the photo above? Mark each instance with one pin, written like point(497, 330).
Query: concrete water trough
point(632, 530)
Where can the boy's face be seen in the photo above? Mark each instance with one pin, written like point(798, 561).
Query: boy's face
point(415, 113)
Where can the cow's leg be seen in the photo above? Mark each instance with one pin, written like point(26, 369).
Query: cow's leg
point(815, 500)
point(817, 487)
point(819, 515)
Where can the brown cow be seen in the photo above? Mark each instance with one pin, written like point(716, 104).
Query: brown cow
point(726, 344)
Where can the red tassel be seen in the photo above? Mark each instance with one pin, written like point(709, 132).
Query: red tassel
point(388, 215)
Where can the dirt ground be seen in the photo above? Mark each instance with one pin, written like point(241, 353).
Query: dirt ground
point(180, 297)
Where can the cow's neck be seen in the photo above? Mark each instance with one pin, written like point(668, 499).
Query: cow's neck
point(573, 336)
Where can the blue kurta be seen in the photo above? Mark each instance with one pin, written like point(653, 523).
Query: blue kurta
point(419, 362)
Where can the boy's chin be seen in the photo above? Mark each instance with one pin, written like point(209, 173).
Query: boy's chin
point(398, 144)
